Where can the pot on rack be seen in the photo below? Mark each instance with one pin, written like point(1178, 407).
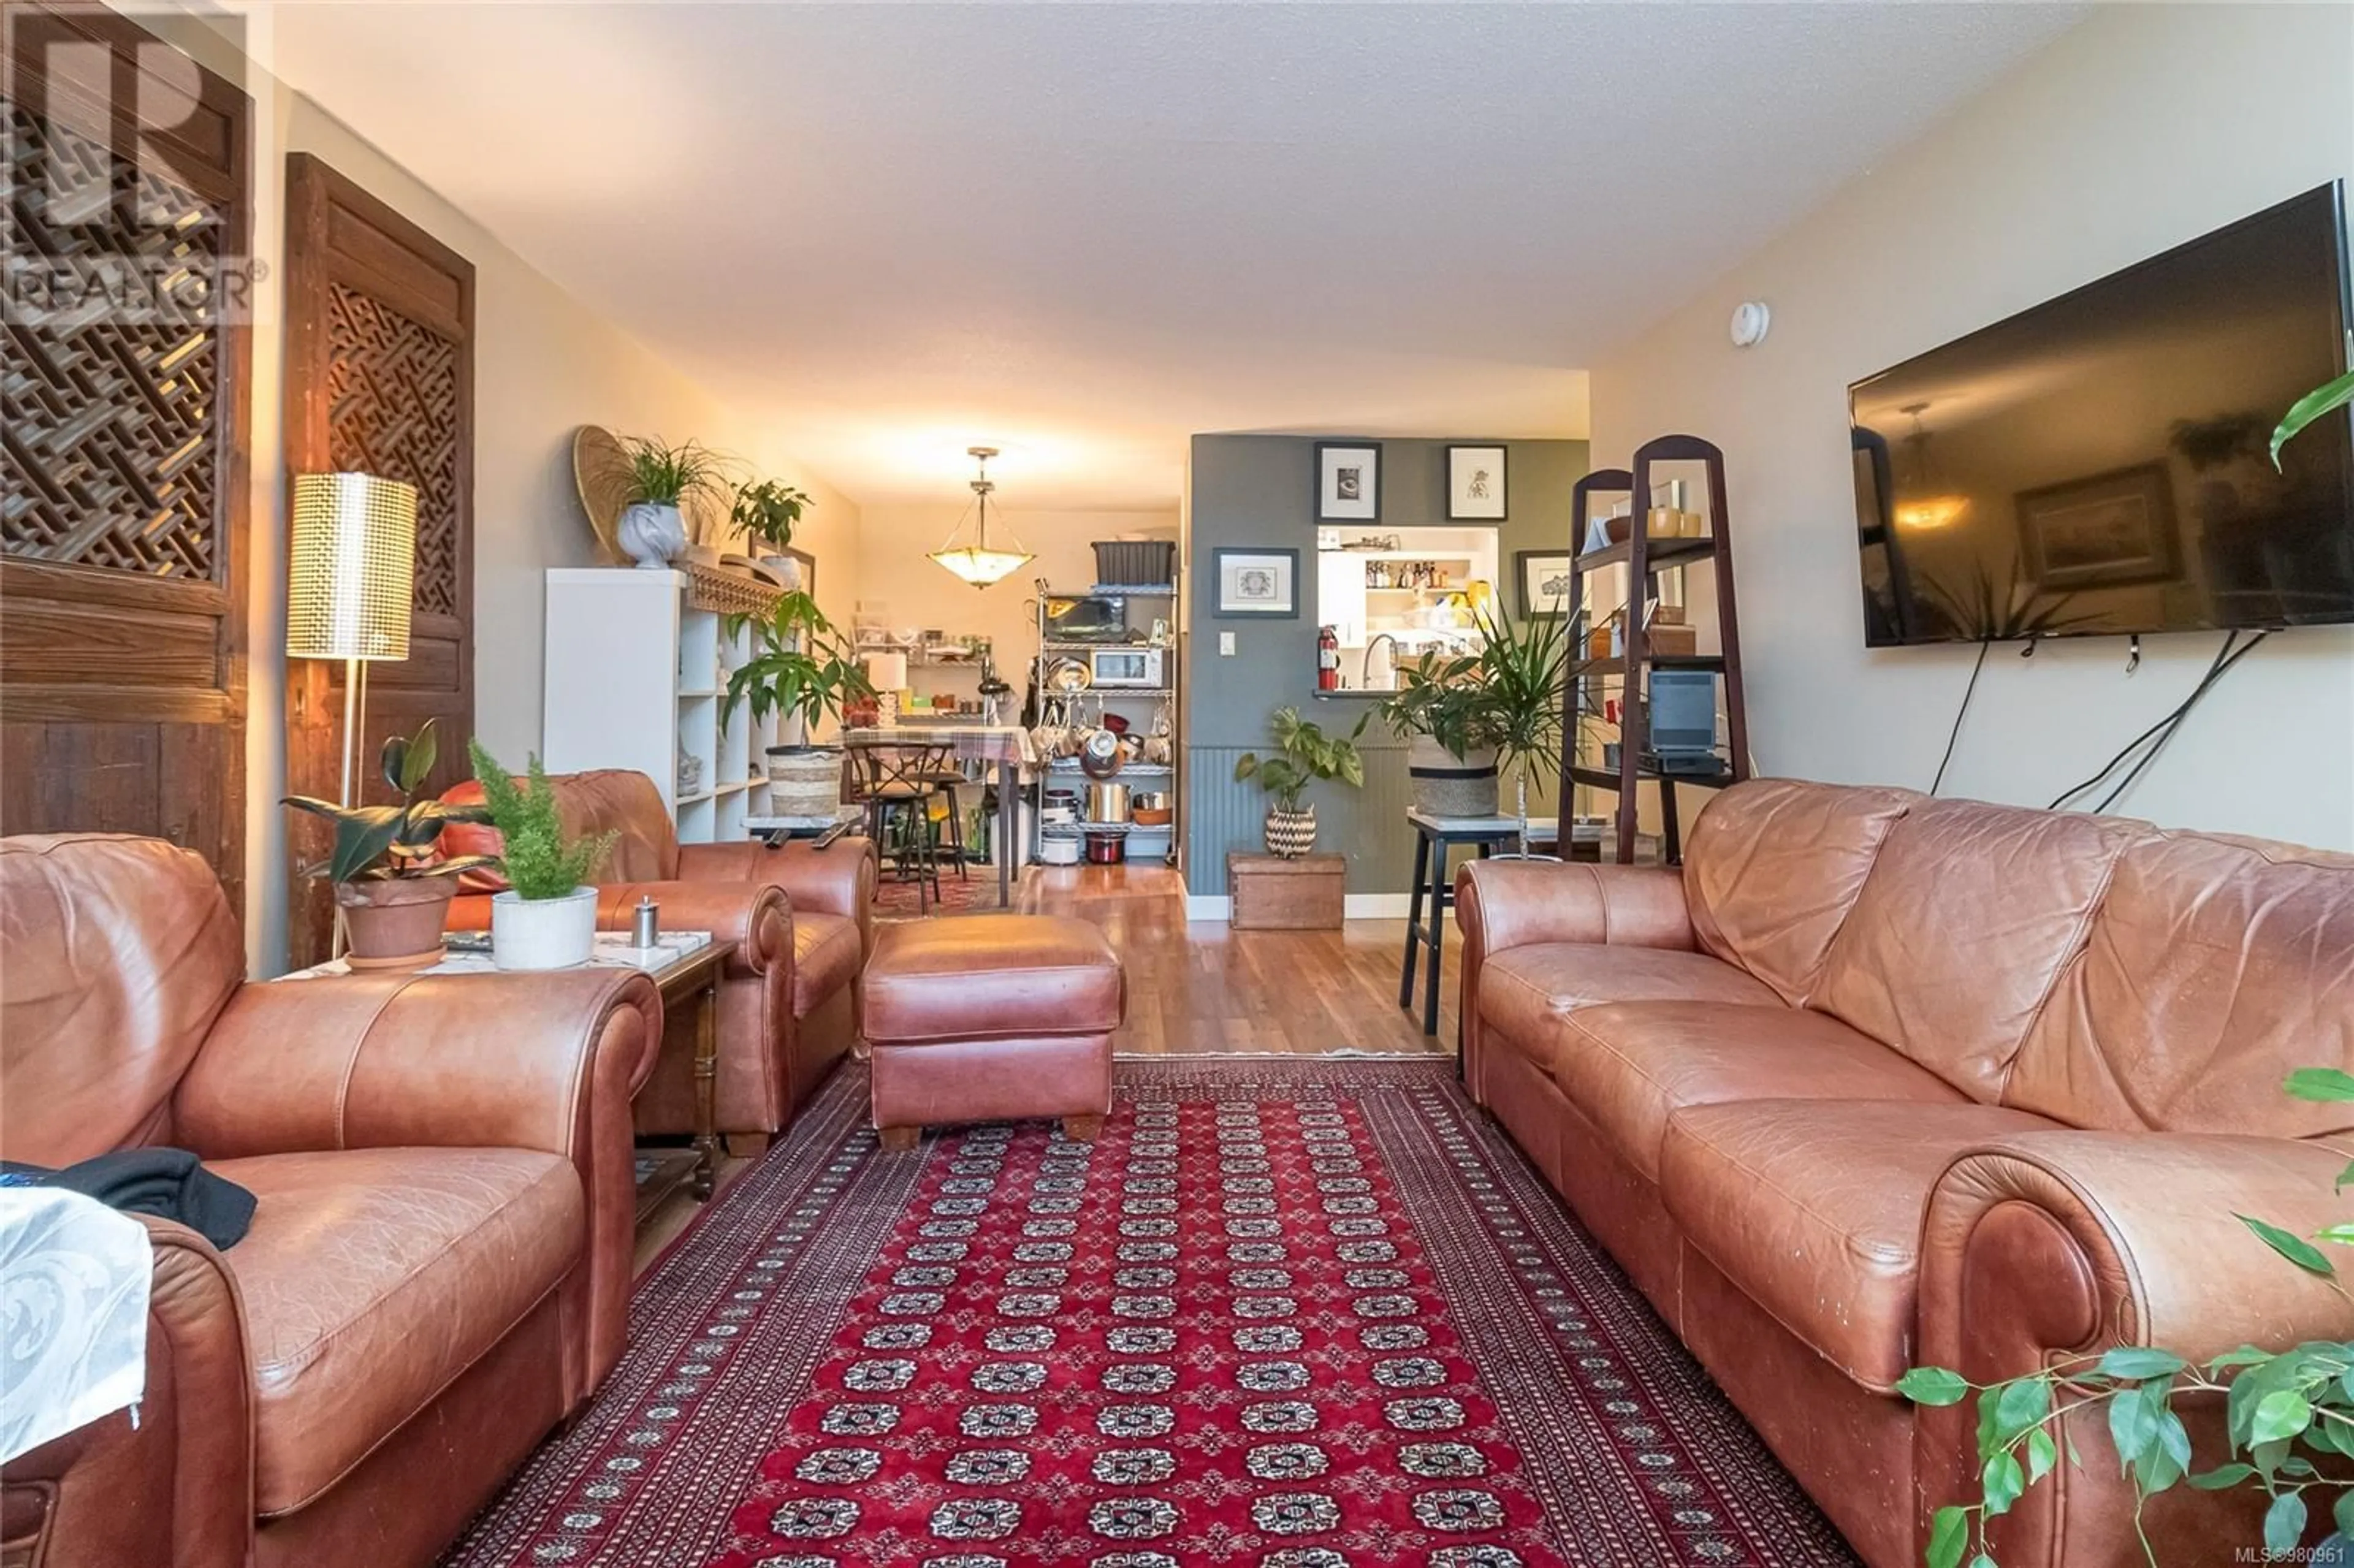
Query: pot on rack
point(1107, 802)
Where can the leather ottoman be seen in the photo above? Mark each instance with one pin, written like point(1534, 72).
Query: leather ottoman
point(989, 1018)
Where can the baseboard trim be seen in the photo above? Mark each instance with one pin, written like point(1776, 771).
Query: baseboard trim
point(1354, 906)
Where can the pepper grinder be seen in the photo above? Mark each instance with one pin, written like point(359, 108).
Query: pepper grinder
point(645, 924)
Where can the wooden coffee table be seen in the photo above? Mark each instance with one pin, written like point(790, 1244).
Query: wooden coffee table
point(689, 984)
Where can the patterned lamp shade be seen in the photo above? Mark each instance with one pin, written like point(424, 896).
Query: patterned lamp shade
point(348, 579)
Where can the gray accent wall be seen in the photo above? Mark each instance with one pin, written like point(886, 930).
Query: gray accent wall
point(1258, 490)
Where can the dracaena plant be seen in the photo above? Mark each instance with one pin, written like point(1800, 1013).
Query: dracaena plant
point(542, 860)
point(377, 842)
point(1303, 755)
point(2287, 1414)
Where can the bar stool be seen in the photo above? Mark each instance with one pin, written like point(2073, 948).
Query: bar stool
point(894, 782)
point(945, 782)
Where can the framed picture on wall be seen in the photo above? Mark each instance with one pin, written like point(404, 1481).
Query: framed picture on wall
point(2111, 529)
point(1475, 484)
point(1348, 481)
point(1252, 582)
point(1544, 583)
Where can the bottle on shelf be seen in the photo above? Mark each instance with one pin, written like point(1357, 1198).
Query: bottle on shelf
point(1328, 659)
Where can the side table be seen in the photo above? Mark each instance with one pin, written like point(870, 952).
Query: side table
point(1435, 838)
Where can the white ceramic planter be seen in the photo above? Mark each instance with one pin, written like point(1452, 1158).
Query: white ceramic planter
point(544, 933)
point(788, 569)
point(651, 533)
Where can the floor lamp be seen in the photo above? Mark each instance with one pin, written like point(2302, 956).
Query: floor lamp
point(348, 587)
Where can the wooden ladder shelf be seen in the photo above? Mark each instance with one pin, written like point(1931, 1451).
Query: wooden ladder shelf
point(1645, 558)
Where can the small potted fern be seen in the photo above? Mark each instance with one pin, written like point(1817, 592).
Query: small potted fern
point(548, 917)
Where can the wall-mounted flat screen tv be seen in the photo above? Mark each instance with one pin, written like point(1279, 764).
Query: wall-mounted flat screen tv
point(2098, 464)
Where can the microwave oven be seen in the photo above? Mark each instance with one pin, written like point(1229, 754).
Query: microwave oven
point(1125, 667)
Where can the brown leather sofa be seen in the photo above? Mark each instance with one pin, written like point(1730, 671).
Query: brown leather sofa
point(1876, 1080)
point(801, 919)
point(437, 1269)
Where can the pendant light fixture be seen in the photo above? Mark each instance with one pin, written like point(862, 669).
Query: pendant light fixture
point(975, 563)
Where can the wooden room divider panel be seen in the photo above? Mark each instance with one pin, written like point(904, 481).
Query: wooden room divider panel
point(124, 396)
point(379, 379)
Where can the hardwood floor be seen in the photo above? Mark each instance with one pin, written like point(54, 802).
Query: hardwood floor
point(1202, 988)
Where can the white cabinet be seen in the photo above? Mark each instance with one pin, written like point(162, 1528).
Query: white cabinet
point(637, 678)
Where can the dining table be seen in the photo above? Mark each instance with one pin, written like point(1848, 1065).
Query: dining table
point(1005, 747)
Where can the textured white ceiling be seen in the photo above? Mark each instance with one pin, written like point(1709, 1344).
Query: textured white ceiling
point(1084, 232)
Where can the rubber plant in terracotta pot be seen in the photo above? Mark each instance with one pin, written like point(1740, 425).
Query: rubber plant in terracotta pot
point(802, 671)
point(548, 917)
point(1303, 755)
point(392, 889)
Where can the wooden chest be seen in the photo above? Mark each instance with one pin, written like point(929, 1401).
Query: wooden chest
point(1273, 895)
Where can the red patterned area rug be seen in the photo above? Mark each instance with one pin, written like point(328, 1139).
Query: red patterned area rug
point(1285, 1314)
point(974, 892)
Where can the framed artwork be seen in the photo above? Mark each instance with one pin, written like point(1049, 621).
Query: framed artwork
point(2112, 528)
point(1348, 481)
point(1254, 582)
point(1544, 583)
point(1475, 484)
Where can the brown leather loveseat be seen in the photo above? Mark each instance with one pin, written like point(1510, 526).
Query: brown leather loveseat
point(801, 919)
point(1875, 1080)
point(438, 1269)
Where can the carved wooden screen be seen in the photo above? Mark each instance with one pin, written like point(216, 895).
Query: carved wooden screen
point(379, 379)
point(124, 392)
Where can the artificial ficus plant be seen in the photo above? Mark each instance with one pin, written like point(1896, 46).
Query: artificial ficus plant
point(2283, 1410)
point(377, 843)
point(2275, 1402)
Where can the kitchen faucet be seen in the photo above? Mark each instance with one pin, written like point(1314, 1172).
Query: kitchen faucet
point(1389, 670)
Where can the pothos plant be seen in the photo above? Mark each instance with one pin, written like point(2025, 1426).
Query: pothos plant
point(2283, 1410)
point(1303, 755)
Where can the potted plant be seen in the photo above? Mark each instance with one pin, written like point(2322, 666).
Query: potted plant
point(548, 917)
point(659, 481)
point(1442, 712)
point(392, 894)
point(804, 671)
point(1523, 671)
point(1304, 754)
point(767, 513)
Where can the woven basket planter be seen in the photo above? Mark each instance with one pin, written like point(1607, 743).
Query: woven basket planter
point(1446, 785)
point(1291, 834)
point(805, 781)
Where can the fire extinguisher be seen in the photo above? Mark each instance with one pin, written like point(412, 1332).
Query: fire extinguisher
point(1328, 659)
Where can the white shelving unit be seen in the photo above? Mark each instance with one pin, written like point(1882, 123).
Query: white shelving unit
point(636, 679)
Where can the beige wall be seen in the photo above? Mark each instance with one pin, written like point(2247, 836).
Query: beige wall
point(904, 589)
point(2142, 128)
point(544, 364)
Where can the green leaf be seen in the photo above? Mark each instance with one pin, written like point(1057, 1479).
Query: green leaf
point(2246, 1356)
point(416, 766)
point(2341, 1512)
point(2172, 1457)
point(2022, 1403)
point(2311, 406)
point(1949, 1532)
point(2293, 1247)
point(2133, 1428)
point(2004, 1480)
point(2319, 1084)
point(2283, 1413)
point(2139, 1362)
point(2284, 1524)
point(2041, 1455)
point(1932, 1385)
point(2223, 1477)
point(2340, 1235)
